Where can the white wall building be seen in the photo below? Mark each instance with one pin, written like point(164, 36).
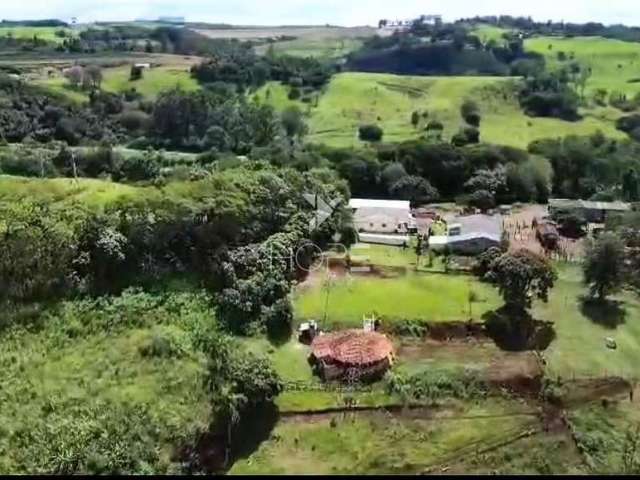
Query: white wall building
point(382, 216)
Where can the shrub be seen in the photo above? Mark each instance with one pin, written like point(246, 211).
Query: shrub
point(135, 120)
point(370, 133)
point(294, 93)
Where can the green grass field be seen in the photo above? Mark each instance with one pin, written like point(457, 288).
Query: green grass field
point(353, 99)
point(489, 32)
point(116, 80)
point(579, 348)
point(43, 33)
point(614, 62)
point(77, 356)
point(428, 297)
point(383, 443)
point(153, 81)
point(322, 48)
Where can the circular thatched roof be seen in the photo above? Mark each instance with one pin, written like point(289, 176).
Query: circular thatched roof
point(352, 347)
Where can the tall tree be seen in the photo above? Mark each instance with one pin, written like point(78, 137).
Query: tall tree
point(522, 276)
point(604, 265)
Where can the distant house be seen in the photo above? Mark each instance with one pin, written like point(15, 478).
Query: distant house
point(382, 216)
point(594, 212)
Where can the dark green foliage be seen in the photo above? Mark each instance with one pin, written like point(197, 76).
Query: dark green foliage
point(26, 112)
point(466, 136)
point(184, 119)
point(604, 265)
point(521, 277)
point(548, 95)
point(36, 251)
point(583, 166)
point(481, 199)
point(630, 125)
point(136, 73)
point(432, 386)
point(413, 188)
point(470, 113)
point(370, 133)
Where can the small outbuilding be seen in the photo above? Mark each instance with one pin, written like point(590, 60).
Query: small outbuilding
point(593, 212)
point(351, 355)
point(473, 243)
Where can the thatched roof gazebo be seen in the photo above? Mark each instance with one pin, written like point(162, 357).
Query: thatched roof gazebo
point(352, 355)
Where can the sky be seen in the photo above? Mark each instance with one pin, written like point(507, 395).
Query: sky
point(318, 12)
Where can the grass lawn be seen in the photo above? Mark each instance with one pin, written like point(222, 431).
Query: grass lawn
point(428, 297)
point(353, 99)
point(116, 80)
point(154, 80)
point(579, 348)
point(43, 33)
point(489, 32)
point(382, 443)
point(614, 62)
point(289, 360)
point(90, 192)
point(322, 48)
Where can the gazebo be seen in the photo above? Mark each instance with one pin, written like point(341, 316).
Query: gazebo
point(351, 355)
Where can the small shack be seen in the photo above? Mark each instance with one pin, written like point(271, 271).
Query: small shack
point(593, 212)
point(351, 355)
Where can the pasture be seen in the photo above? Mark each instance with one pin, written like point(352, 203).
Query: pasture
point(579, 348)
point(446, 439)
point(615, 64)
point(117, 80)
point(353, 99)
point(43, 33)
point(413, 296)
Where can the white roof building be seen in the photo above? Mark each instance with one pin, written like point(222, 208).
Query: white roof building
point(382, 216)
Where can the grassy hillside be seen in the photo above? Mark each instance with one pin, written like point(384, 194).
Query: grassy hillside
point(116, 80)
point(43, 33)
point(153, 81)
point(323, 48)
point(352, 99)
point(615, 63)
point(119, 377)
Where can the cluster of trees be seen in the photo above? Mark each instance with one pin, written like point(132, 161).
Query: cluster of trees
point(217, 118)
point(592, 166)
point(27, 113)
point(440, 49)
point(211, 119)
point(237, 64)
point(423, 171)
point(612, 261)
point(49, 252)
point(548, 94)
point(530, 27)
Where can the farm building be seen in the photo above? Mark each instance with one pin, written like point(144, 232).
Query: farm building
point(382, 216)
point(352, 355)
point(468, 235)
point(594, 212)
point(465, 244)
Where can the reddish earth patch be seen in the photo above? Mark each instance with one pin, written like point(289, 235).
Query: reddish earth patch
point(518, 372)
